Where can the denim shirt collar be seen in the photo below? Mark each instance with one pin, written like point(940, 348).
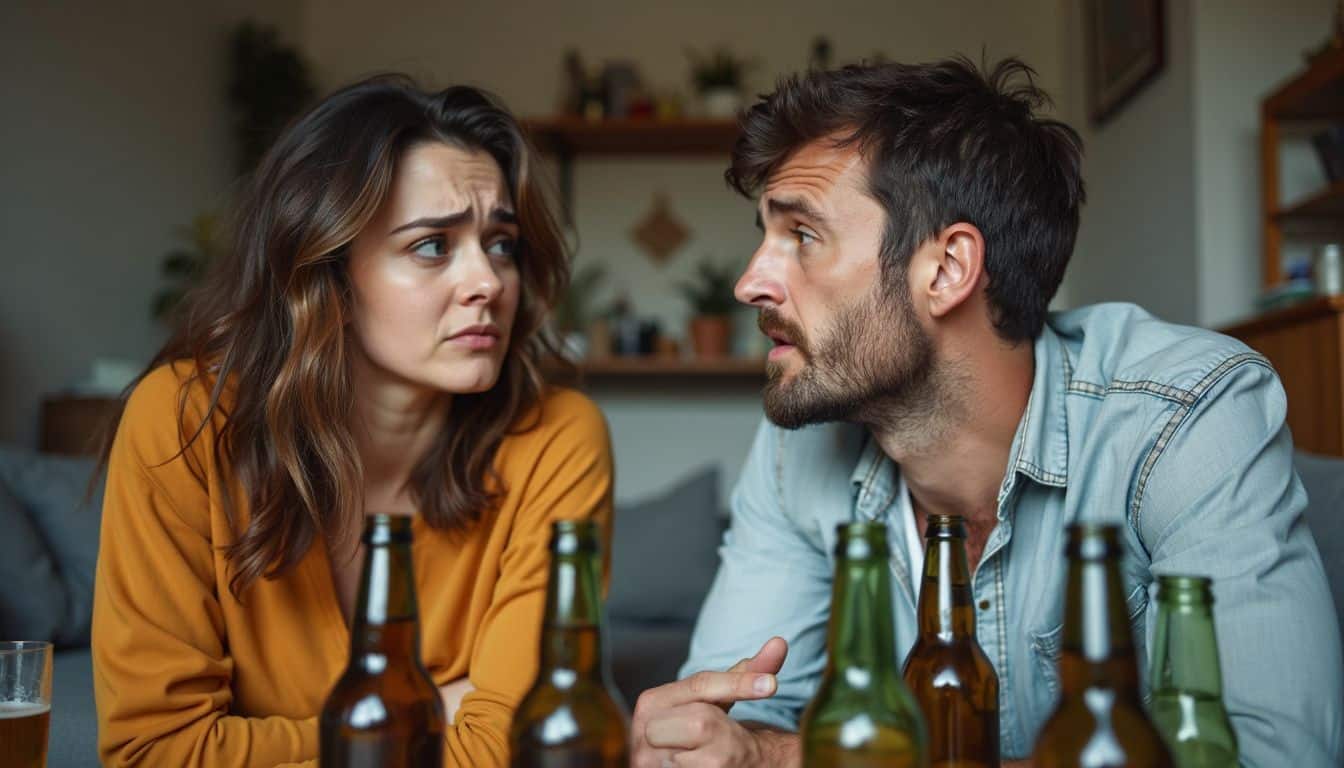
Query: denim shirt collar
point(1040, 449)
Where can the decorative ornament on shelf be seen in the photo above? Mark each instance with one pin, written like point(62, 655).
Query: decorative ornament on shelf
point(720, 79)
point(660, 233)
point(712, 302)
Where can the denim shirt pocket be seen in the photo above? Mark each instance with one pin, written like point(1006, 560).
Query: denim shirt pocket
point(1045, 647)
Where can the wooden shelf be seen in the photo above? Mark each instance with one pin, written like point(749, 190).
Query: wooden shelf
point(664, 368)
point(1286, 317)
point(1321, 213)
point(1315, 94)
point(576, 136)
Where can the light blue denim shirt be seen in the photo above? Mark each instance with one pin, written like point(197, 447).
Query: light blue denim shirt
point(1175, 433)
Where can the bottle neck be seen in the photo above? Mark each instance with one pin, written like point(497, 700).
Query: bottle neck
point(1098, 647)
point(386, 620)
point(861, 634)
point(1185, 649)
point(571, 642)
point(946, 610)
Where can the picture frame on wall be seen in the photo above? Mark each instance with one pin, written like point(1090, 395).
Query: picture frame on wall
point(1126, 44)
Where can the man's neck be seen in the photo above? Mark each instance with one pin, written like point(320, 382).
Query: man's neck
point(953, 456)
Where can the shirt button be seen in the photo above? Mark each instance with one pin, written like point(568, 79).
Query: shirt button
point(984, 605)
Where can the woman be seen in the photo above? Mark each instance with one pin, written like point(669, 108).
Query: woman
point(369, 344)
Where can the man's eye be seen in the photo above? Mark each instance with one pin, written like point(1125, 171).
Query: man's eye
point(804, 237)
point(430, 248)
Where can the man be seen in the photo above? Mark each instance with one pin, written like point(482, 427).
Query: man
point(917, 221)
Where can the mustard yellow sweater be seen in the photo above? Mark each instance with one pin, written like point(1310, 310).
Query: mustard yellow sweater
point(187, 675)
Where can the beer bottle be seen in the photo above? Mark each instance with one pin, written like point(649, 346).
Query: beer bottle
point(385, 711)
point(1186, 681)
point(1099, 722)
point(569, 718)
point(862, 714)
point(947, 672)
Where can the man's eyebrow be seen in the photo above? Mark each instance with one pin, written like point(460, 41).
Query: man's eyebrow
point(795, 205)
point(448, 221)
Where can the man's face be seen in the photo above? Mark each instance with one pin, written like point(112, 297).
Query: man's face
point(845, 340)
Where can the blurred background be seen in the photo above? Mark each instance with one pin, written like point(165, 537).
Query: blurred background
point(1214, 168)
point(127, 126)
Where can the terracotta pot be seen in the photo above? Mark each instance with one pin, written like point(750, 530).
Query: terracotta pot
point(710, 335)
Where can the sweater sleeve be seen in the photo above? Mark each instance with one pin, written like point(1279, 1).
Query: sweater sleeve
point(162, 668)
point(563, 471)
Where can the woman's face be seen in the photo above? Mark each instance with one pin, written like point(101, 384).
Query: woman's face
point(434, 278)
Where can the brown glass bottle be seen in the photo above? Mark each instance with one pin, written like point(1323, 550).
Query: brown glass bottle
point(384, 711)
point(947, 672)
point(1100, 721)
point(570, 719)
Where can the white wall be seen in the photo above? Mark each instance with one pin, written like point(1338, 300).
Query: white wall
point(660, 436)
point(1244, 49)
point(1173, 218)
point(1137, 238)
point(114, 137)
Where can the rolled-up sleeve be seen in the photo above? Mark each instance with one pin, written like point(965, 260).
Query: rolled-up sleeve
point(1222, 500)
point(772, 580)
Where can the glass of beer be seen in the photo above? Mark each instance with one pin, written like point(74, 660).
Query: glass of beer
point(25, 703)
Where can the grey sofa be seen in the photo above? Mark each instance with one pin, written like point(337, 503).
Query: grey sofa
point(665, 552)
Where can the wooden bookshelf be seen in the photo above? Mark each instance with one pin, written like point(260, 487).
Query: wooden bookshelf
point(1313, 95)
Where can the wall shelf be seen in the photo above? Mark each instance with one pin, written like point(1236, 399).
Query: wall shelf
point(575, 136)
point(567, 137)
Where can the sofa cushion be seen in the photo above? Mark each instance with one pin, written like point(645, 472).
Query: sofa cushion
point(32, 598)
point(1323, 479)
point(665, 551)
point(53, 490)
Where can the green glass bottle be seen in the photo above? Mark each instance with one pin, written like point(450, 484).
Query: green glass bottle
point(570, 719)
point(1100, 721)
point(863, 715)
point(947, 671)
point(1186, 680)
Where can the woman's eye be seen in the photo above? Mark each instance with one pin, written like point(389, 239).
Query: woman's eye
point(430, 248)
point(503, 247)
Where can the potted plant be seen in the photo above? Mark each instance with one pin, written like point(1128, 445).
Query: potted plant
point(712, 302)
point(183, 267)
point(719, 79)
point(574, 313)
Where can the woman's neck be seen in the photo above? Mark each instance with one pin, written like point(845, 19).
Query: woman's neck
point(395, 423)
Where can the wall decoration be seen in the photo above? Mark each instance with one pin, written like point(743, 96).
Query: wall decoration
point(1125, 50)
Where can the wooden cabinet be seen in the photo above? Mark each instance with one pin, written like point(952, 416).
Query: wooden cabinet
point(1306, 345)
point(73, 424)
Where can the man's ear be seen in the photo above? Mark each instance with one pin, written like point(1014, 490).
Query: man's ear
point(958, 255)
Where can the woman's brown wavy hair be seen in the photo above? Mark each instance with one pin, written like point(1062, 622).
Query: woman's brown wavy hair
point(270, 322)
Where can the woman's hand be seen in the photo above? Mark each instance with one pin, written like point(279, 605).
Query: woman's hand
point(452, 694)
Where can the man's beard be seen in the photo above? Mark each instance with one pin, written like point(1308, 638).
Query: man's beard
point(874, 366)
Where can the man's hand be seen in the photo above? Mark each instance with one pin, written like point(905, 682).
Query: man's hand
point(687, 723)
point(452, 694)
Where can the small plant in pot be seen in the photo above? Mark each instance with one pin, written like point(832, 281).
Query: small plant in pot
point(719, 80)
point(711, 298)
